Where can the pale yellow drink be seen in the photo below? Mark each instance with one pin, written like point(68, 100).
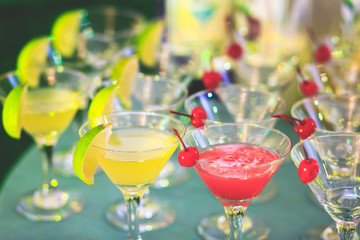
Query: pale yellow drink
point(137, 156)
point(194, 24)
point(47, 112)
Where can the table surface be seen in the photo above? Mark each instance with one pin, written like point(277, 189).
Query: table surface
point(289, 214)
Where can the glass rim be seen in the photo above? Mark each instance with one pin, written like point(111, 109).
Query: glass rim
point(314, 138)
point(128, 13)
point(81, 92)
point(281, 158)
point(300, 102)
point(114, 113)
point(281, 101)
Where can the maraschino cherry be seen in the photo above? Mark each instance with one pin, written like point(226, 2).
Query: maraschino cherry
point(308, 167)
point(305, 128)
point(197, 117)
point(322, 52)
point(187, 157)
point(253, 28)
point(211, 79)
point(234, 50)
point(307, 87)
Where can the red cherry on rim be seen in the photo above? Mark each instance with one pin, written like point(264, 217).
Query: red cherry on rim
point(197, 117)
point(254, 28)
point(308, 170)
point(235, 51)
point(211, 79)
point(322, 54)
point(308, 88)
point(306, 127)
point(187, 157)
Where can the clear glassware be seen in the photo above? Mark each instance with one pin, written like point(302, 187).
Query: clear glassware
point(134, 168)
point(113, 29)
point(337, 183)
point(153, 93)
point(48, 109)
point(236, 186)
point(332, 113)
point(235, 103)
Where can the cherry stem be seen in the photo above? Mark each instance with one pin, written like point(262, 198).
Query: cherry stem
point(305, 152)
point(181, 114)
point(298, 70)
point(312, 35)
point(178, 135)
point(285, 117)
point(229, 28)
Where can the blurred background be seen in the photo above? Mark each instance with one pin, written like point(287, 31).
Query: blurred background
point(21, 21)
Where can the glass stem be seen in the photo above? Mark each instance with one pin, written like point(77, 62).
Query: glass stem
point(346, 230)
point(235, 216)
point(132, 203)
point(46, 168)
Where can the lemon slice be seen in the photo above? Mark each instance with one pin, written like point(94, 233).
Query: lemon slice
point(102, 102)
point(66, 30)
point(124, 73)
point(149, 42)
point(11, 114)
point(32, 55)
point(85, 159)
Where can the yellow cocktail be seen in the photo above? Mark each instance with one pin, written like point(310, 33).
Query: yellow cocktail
point(47, 121)
point(139, 170)
point(45, 110)
point(132, 157)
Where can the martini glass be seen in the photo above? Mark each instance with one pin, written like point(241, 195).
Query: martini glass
point(148, 142)
point(226, 167)
point(153, 93)
point(114, 29)
point(332, 113)
point(336, 186)
point(48, 109)
point(228, 104)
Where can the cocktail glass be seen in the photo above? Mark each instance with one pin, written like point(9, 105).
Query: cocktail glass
point(228, 169)
point(332, 114)
point(148, 142)
point(336, 186)
point(234, 103)
point(48, 109)
point(153, 93)
point(114, 29)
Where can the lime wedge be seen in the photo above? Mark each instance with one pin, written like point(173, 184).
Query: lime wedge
point(11, 114)
point(124, 73)
point(32, 55)
point(85, 159)
point(66, 30)
point(102, 102)
point(149, 43)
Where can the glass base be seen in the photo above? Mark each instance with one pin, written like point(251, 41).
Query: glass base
point(54, 207)
point(171, 175)
point(268, 193)
point(153, 214)
point(215, 227)
point(324, 233)
point(63, 163)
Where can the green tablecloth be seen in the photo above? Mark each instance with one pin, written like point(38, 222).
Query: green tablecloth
point(290, 214)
